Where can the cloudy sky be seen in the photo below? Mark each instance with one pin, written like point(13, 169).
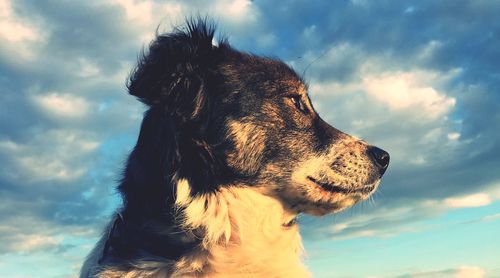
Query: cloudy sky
point(417, 78)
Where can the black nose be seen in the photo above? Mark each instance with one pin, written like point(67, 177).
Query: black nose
point(380, 157)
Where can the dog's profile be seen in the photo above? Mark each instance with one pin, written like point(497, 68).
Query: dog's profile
point(230, 151)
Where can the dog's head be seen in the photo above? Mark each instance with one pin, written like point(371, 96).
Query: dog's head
point(229, 117)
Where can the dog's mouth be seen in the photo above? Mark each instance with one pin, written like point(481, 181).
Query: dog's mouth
point(339, 189)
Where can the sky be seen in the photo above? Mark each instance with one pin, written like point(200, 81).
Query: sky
point(419, 79)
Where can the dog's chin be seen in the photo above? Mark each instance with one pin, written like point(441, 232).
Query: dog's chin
point(325, 198)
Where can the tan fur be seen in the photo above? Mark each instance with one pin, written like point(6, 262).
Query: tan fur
point(249, 140)
point(344, 164)
point(158, 270)
point(244, 235)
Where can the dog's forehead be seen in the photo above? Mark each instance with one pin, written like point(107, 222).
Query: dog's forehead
point(271, 75)
point(296, 84)
point(279, 72)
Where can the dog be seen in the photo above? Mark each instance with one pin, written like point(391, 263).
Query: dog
point(229, 153)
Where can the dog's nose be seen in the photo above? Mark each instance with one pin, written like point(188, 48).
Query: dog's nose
point(380, 157)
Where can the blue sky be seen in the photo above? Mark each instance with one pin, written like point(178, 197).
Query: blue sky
point(417, 78)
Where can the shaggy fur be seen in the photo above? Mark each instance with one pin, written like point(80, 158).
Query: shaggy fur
point(230, 151)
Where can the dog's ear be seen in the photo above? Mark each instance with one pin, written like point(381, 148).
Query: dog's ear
point(174, 72)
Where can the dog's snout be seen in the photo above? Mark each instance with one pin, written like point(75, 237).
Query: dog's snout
point(380, 157)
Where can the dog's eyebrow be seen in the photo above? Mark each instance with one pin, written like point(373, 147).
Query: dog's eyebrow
point(291, 90)
point(303, 88)
point(306, 85)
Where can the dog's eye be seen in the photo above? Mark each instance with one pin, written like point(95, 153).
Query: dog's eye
point(299, 104)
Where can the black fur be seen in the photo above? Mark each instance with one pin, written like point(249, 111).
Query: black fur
point(175, 79)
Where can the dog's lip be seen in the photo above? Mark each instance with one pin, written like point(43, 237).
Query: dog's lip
point(338, 189)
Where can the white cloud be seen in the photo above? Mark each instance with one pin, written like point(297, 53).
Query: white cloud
point(470, 272)
point(44, 168)
point(62, 104)
point(138, 12)
point(143, 17)
point(381, 222)
point(30, 243)
point(469, 201)
point(19, 37)
point(492, 217)
point(9, 146)
point(52, 155)
point(87, 68)
point(453, 136)
point(26, 234)
point(457, 272)
point(409, 90)
point(235, 11)
point(14, 29)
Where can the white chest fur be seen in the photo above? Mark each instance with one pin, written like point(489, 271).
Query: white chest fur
point(243, 235)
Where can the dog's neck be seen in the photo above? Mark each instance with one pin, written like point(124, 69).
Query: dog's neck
point(244, 233)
